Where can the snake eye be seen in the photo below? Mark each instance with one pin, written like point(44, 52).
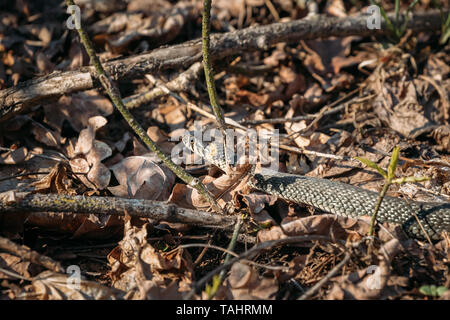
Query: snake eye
point(189, 141)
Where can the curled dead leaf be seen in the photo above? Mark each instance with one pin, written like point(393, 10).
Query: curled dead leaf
point(336, 227)
point(99, 152)
point(15, 156)
point(46, 136)
point(99, 175)
point(137, 264)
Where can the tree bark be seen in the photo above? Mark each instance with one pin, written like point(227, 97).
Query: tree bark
point(155, 210)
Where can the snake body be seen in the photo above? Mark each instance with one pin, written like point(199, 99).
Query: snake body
point(340, 198)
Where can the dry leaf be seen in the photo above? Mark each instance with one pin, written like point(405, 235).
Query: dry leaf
point(137, 266)
point(54, 286)
point(84, 105)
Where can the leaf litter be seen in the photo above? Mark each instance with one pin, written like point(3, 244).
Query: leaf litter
point(78, 145)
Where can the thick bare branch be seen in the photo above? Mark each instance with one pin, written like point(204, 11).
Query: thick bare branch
point(155, 210)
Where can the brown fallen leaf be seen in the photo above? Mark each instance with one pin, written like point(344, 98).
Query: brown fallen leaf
point(99, 175)
point(88, 155)
point(223, 189)
point(46, 136)
point(373, 282)
point(296, 82)
point(159, 26)
point(87, 135)
point(137, 266)
point(442, 137)
point(400, 109)
point(141, 177)
point(327, 57)
point(15, 264)
point(79, 226)
point(333, 226)
point(160, 138)
point(85, 105)
point(57, 181)
point(256, 202)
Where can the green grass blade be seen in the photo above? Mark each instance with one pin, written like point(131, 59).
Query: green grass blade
point(405, 23)
point(410, 180)
point(393, 163)
point(445, 31)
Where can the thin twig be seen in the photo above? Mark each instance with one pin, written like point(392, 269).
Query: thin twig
point(293, 119)
point(201, 255)
point(420, 225)
point(192, 106)
point(315, 153)
point(243, 129)
point(180, 83)
point(35, 174)
point(23, 175)
point(209, 76)
point(322, 112)
point(211, 246)
point(380, 198)
point(444, 97)
point(14, 275)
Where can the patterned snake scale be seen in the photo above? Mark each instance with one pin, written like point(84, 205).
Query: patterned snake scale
point(340, 198)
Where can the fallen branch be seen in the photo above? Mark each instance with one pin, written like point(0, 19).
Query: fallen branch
point(327, 110)
point(114, 94)
point(17, 99)
point(155, 210)
point(295, 119)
